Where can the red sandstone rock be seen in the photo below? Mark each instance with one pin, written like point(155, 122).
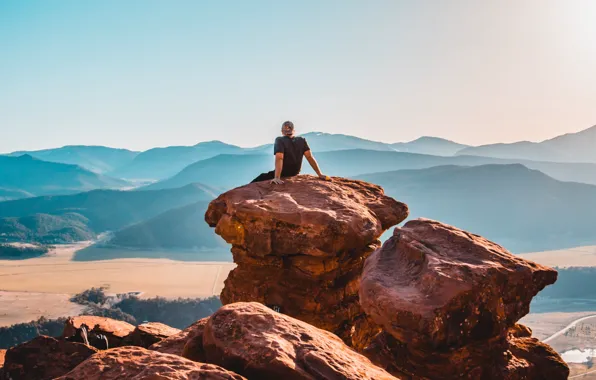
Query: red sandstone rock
point(433, 283)
point(175, 343)
point(115, 331)
point(301, 246)
point(139, 363)
point(304, 215)
point(44, 358)
point(149, 333)
point(448, 302)
point(193, 348)
point(252, 340)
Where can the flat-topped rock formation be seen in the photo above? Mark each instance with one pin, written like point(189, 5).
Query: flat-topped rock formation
point(448, 302)
point(300, 246)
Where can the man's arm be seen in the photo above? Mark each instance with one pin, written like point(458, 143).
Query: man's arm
point(279, 163)
point(313, 163)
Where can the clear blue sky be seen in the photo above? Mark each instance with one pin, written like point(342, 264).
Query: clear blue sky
point(139, 74)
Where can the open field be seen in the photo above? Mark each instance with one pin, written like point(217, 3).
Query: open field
point(544, 325)
point(565, 258)
point(41, 286)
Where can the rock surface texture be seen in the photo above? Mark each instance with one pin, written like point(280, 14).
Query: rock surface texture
point(150, 333)
point(114, 330)
point(139, 363)
point(448, 302)
point(251, 339)
point(44, 358)
point(301, 246)
point(175, 343)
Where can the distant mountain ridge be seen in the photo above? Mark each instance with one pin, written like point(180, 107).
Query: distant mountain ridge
point(227, 171)
point(180, 228)
point(570, 147)
point(109, 209)
point(99, 159)
point(522, 209)
point(28, 174)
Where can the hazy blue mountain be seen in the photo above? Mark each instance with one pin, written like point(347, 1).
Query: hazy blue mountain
point(182, 227)
point(10, 194)
point(571, 147)
point(326, 142)
point(109, 209)
point(223, 172)
point(46, 229)
point(158, 163)
point(522, 209)
point(39, 177)
point(99, 159)
point(228, 171)
point(430, 145)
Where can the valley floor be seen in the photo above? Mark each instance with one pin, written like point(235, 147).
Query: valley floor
point(565, 258)
point(41, 286)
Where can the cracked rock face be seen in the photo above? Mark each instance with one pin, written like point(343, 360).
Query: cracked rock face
point(301, 246)
point(448, 302)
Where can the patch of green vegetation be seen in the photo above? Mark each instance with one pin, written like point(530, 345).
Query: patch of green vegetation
point(21, 251)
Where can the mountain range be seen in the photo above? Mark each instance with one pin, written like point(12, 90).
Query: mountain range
point(105, 210)
point(571, 147)
point(522, 203)
point(28, 175)
point(519, 208)
point(228, 171)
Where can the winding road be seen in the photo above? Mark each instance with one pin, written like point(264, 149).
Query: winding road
point(564, 329)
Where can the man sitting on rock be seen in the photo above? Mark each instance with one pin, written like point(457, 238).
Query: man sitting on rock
point(289, 151)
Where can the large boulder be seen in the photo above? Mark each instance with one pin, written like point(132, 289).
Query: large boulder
point(147, 334)
point(300, 247)
point(175, 344)
point(251, 339)
point(115, 331)
point(44, 358)
point(139, 363)
point(448, 302)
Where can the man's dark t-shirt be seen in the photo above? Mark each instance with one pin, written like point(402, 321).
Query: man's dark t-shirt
point(293, 149)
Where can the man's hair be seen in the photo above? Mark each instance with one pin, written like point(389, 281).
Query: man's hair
point(288, 124)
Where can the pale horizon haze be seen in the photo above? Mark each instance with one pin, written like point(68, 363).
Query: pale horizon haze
point(141, 74)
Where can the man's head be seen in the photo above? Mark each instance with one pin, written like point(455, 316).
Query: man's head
point(287, 128)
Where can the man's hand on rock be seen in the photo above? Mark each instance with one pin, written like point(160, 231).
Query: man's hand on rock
point(324, 177)
point(277, 181)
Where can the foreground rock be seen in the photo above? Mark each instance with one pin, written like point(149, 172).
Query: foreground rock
point(149, 333)
point(300, 246)
point(175, 344)
point(448, 302)
point(115, 331)
point(44, 358)
point(140, 363)
point(250, 339)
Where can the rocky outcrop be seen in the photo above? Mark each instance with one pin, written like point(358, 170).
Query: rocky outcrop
point(140, 363)
point(148, 334)
point(44, 358)
point(448, 302)
point(193, 348)
point(300, 247)
point(253, 340)
point(175, 344)
point(115, 331)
